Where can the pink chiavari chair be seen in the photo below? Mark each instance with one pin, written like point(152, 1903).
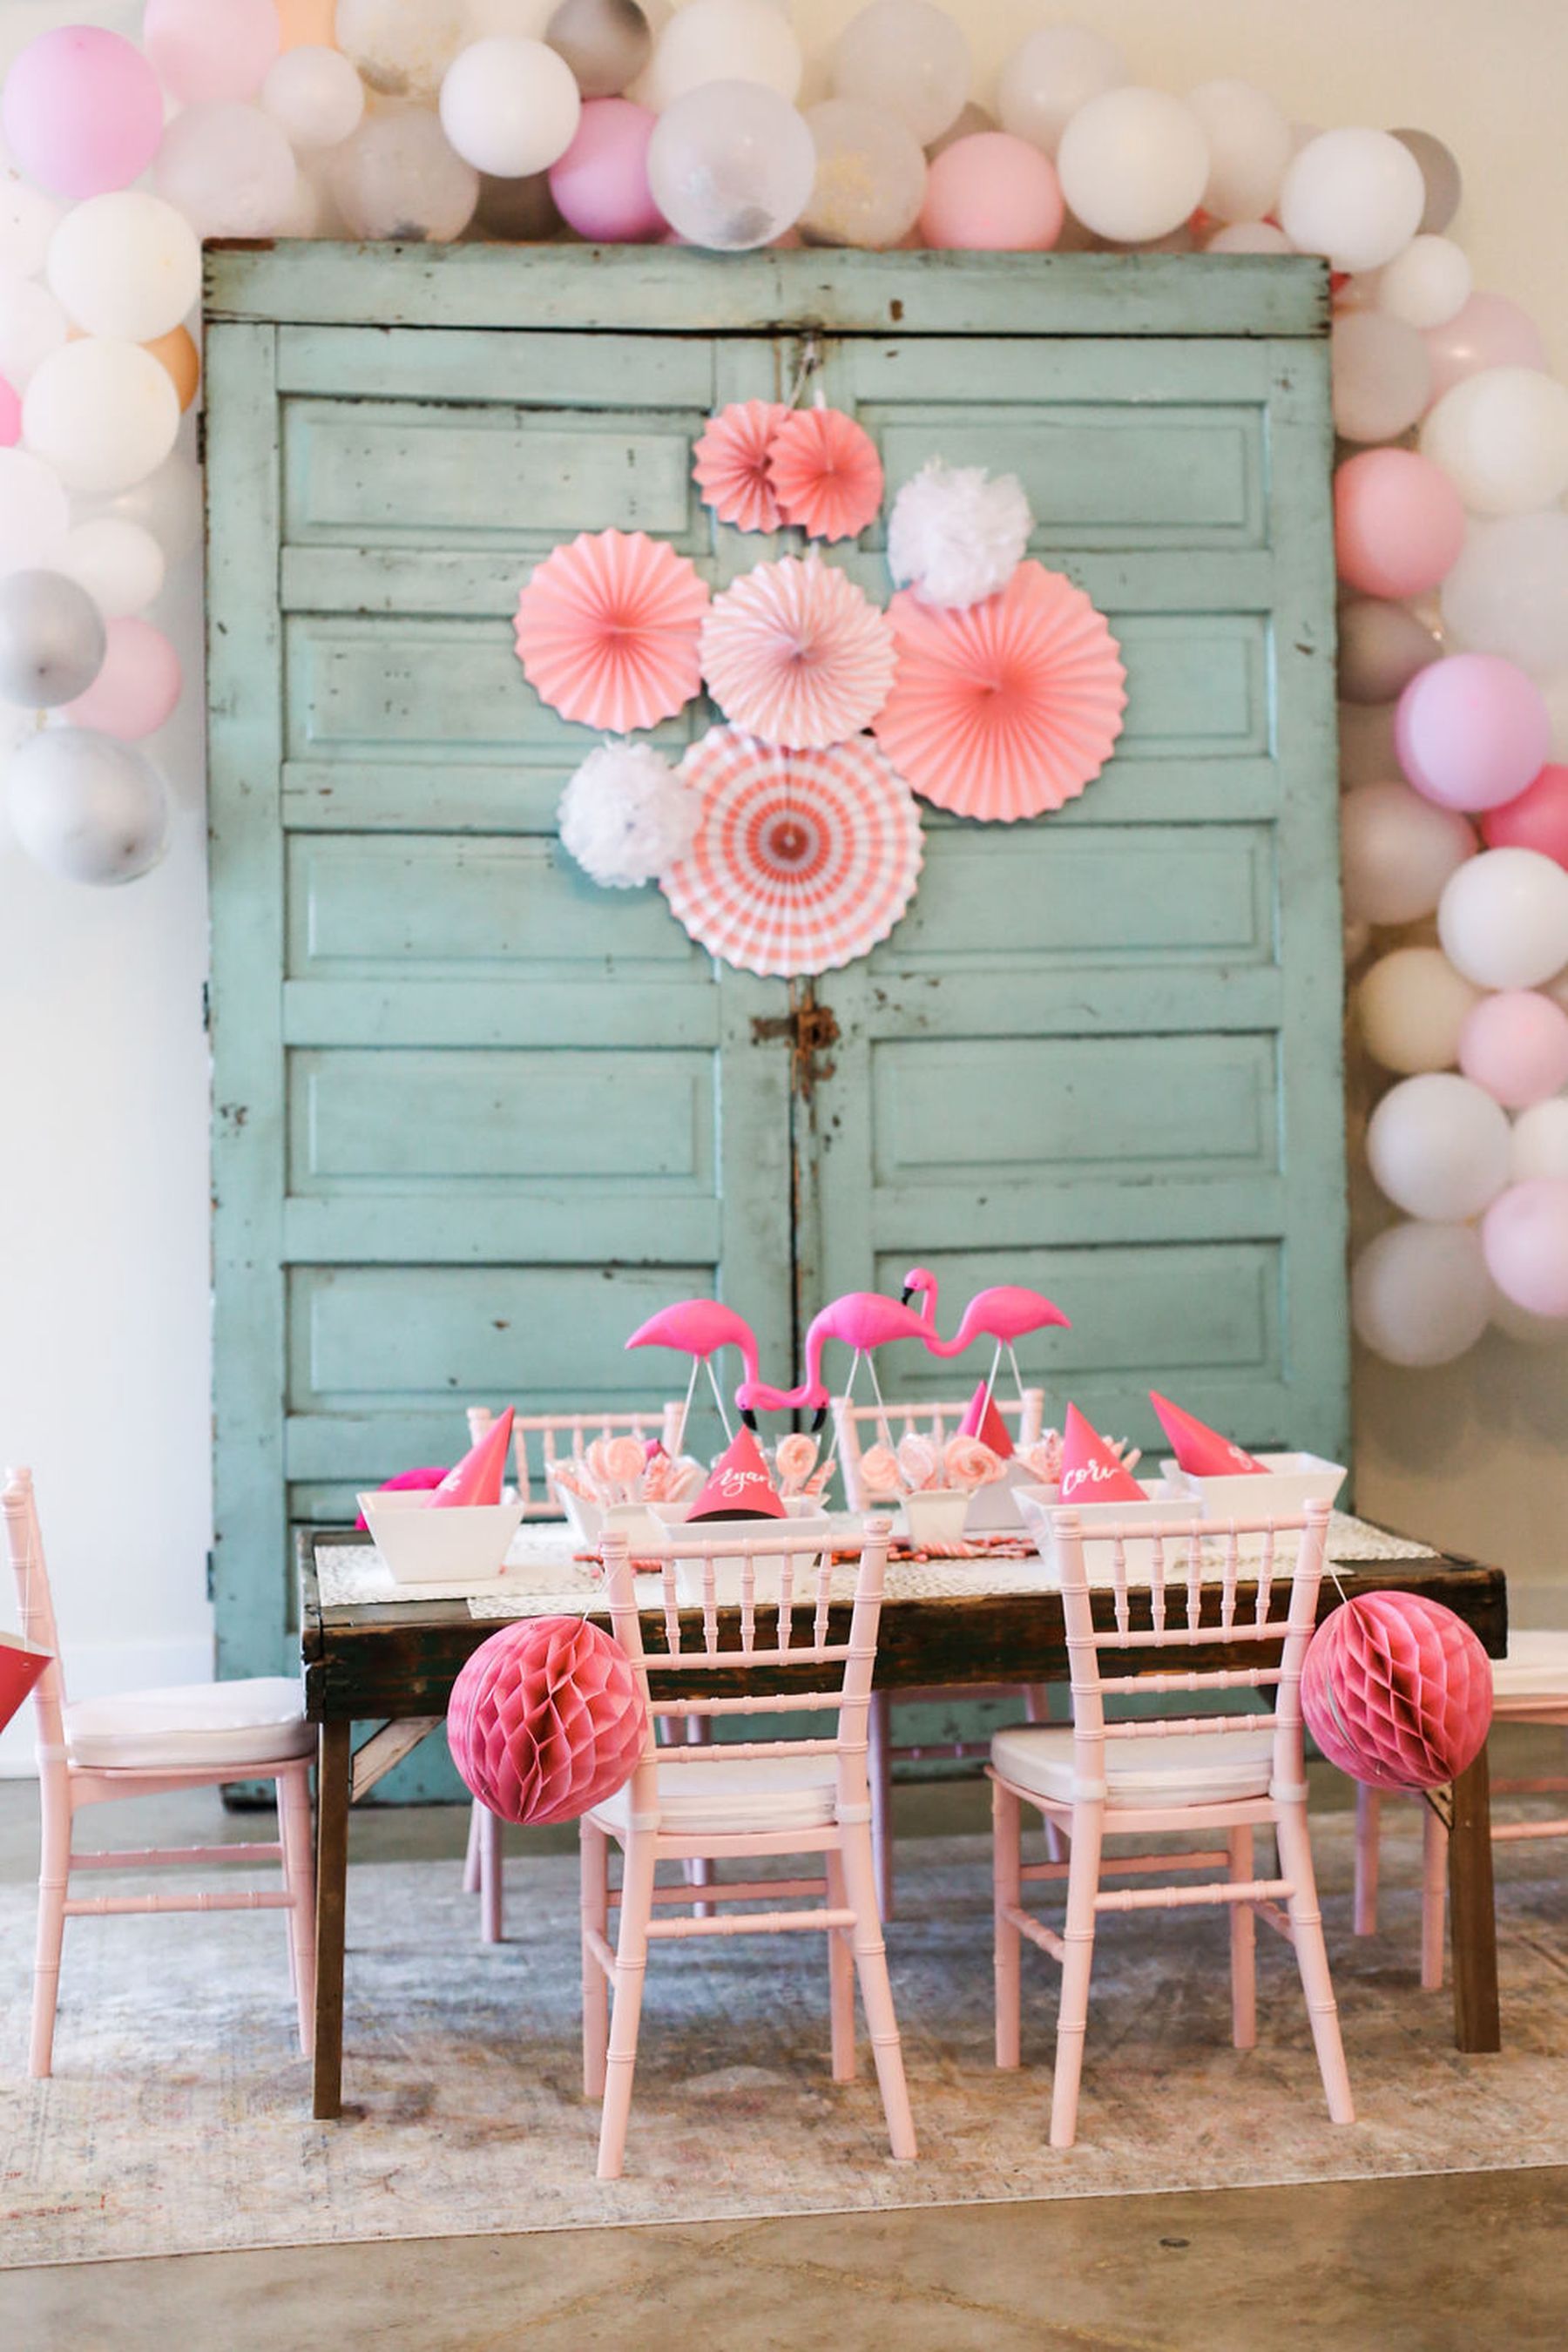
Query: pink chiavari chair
point(742, 1798)
point(1530, 1685)
point(191, 1735)
point(887, 1423)
point(537, 1434)
point(1212, 1776)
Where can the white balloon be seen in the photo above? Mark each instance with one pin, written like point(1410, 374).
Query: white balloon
point(35, 513)
point(1399, 851)
point(87, 807)
point(52, 639)
point(32, 325)
point(1249, 237)
point(1540, 1146)
point(906, 56)
point(228, 168)
point(1427, 283)
point(102, 413)
point(1421, 1295)
point(399, 177)
point(27, 221)
point(1503, 918)
point(726, 40)
point(1133, 163)
point(1410, 1008)
point(314, 96)
point(1508, 594)
point(119, 564)
point(1382, 376)
point(402, 48)
point(1053, 72)
point(126, 265)
point(1437, 1146)
point(510, 107)
point(1355, 195)
point(1249, 145)
point(1380, 648)
point(870, 177)
point(730, 165)
point(168, 503)
point(1501, 437)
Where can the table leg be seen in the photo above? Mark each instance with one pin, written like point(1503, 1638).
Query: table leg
point(1471, 1913)
point(334, 1759)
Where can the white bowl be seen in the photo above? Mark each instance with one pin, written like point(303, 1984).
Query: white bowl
point(589, 1520)
point(1160, 1503)
point(937, 1515)
point(423, 1546)
point(767, 1567)
point(996, 1505)
point(1282, 1489)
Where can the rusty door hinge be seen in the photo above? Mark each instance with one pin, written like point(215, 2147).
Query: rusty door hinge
point(810, 1030)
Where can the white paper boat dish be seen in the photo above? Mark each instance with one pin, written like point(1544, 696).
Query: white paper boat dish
point(589, 1520)
point(1283, 1489)
point(768, 1566)
point(1161, 1504)
point(421, 1546)
point(995, 1506)
point(937, 1515)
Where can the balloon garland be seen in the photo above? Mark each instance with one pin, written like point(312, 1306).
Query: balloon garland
point(433, 118)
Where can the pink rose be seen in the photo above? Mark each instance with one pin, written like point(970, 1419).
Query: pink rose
point(969, 1463)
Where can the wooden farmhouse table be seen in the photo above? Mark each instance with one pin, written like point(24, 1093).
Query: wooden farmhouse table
point(391, 1664)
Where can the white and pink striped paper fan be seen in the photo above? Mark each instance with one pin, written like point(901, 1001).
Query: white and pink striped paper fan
point(803, 859)
point(794, 652)
point(1009, 706)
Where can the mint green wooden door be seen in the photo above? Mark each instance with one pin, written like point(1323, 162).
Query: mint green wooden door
point(474, 1118)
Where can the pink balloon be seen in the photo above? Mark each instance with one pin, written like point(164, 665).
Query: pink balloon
point(1399, 523)
point(991, 194)
point(1471, 731)
point(82, 112)
point(138, 686)
point(1515, 1044)
point(1524, 1237)
point(1538, 819)
point(1488, 332)
point(600, 184)
point(10, 416)
point(211, 50)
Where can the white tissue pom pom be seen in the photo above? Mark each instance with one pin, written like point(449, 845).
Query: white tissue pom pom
point(956, 534)
point(626, 815)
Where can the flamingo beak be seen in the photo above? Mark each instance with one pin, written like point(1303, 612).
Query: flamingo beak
point(749, 1418)
point(818, 1418)
point(907, 1293)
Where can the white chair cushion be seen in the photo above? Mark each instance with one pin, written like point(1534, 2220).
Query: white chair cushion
point(1536, 1667)
point(757, 1793)
point(1200, 1767)
point(192, 1724)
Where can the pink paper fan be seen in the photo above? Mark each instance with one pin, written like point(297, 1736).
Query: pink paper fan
point(732, 467)
point(607, 627)
point(826, 473)
point(1007, 708)
point(794, 653)
point(802, 860)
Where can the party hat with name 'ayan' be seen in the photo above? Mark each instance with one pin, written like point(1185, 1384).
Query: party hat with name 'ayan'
point(739, 1486)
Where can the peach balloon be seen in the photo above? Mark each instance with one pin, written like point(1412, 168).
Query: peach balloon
point(306, 23)
point(1515, 1045)
point(138, 686)
point(991, 194)
point(1399, 522)
point(176, 352)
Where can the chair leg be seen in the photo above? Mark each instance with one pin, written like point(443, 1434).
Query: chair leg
point(699, 1868)
point(471, 1858)
point(879, 1772)
point(54, 1870)
point(876, 1992)
point(1368, 1838)
point(1312, 1959)
point(1006, 1834)
point(1072, 2019)
point(840, 1976)
point(1434, 1895)
point(631, 1966)
point(492, 1879)
point(300, 1882)
point(1243, 1947)
point(594, 1865)
point(1038, 1709)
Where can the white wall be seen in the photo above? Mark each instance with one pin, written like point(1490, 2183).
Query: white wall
point(103, 1369)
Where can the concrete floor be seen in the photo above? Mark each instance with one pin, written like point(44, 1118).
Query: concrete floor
point(1459, 2263)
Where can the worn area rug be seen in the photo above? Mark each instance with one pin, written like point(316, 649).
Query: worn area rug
point(178, 2120)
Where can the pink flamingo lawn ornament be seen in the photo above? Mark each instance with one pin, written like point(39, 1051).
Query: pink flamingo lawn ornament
point(699, 1327)
point(1005, 1313)
point(863, 1320)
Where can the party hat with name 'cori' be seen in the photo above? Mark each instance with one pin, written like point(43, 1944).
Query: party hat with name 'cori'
point(983, 1420)
point(739, 1486)
point(1090, 1472)
point(478, 1477)
point(1201, 1451)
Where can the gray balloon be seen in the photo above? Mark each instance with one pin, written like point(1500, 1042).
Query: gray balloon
point(606, 43)
point(85, 806)
point(1444, 183)
point(51, 639)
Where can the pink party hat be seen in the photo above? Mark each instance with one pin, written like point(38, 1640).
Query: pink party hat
point(984, 1421)
point(1090, 1472)
point(739, 1486)
point(1202, 1452)
point(408, 1482)
point(21, 1664)
point(477, 1478)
